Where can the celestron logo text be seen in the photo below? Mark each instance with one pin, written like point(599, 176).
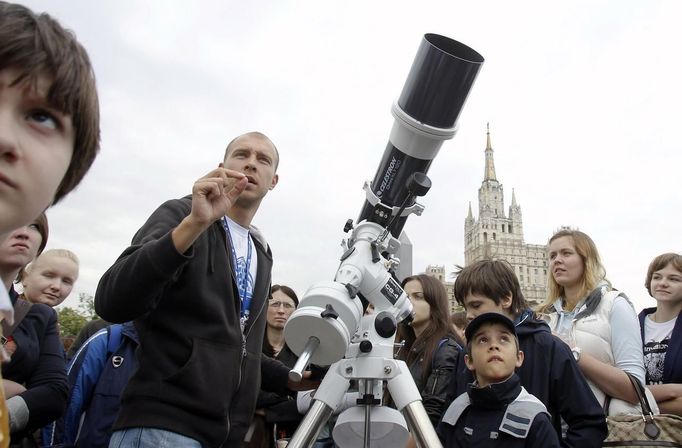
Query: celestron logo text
point(387, 181)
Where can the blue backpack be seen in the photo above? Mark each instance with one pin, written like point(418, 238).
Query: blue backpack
point(100, 402)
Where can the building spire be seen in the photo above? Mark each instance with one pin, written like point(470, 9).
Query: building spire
point(513, 204)
point(489, 162)
point(470, 215)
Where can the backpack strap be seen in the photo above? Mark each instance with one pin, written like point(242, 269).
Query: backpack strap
point(21, 308)
point(114, 338)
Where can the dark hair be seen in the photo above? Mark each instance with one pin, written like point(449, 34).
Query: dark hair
point(459, 319)
point(286, 290)
point(659, 263)
point(37, 45)
point(439, 328)
point(44, 230)
point(494, 279)
point(257, 135)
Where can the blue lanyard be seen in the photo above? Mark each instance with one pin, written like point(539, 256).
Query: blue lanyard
point(243, 277)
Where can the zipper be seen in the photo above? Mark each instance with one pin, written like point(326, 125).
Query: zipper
point(241, 360)
point(435, 383)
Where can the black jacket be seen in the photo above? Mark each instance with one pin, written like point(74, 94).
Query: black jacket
point(483, 424)
point(434, 390)
point(672, 364)
point(193, 377)
point(280, 407)
point(40, 365)
point(550, 373)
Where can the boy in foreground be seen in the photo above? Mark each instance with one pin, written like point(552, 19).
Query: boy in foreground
point(49, 133)
point(495, 410)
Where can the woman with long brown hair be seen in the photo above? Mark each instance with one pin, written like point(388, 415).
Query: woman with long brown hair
point(430, 349)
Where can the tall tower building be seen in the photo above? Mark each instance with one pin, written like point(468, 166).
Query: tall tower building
point(495, 235)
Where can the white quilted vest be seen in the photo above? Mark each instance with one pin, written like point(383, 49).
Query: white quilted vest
point(593, 335)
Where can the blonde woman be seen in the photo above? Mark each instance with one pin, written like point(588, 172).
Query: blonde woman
point(596, 321)
point(50, 278)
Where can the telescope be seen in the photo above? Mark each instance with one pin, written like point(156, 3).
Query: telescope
point(329, 327)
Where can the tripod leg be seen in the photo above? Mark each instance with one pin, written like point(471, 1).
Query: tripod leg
point(310, 426)
point(420, 426)
point(407, 399)
point(327, 398)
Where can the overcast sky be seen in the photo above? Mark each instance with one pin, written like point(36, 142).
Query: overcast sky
point(582, 98)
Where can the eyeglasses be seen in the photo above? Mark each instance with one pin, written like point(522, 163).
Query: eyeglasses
point(286, 305)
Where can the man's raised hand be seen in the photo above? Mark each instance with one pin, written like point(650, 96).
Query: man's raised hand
point(212, 196)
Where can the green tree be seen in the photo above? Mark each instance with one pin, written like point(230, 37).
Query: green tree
point(70, 321)
point(86, 305)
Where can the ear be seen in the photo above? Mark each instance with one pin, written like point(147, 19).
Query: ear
point(24, 274)
point(275, 179)
point(519, 359)
point(506, 302)
point(469, 362)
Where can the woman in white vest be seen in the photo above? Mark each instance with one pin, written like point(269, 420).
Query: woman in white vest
point(596, 321)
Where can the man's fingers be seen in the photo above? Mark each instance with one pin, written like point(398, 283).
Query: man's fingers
point(224, 173)
point(232, 192)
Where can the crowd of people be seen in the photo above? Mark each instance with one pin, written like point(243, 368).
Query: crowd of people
point(190, 350)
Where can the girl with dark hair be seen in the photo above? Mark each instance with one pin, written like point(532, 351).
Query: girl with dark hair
point(430, 349)
point(662, 332)
point(34, 379)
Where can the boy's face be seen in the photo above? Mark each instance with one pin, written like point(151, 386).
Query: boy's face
point(494, 354)
point(475, 304)
point(36, 145)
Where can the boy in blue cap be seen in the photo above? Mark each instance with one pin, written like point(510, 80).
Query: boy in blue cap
point(495, 410)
